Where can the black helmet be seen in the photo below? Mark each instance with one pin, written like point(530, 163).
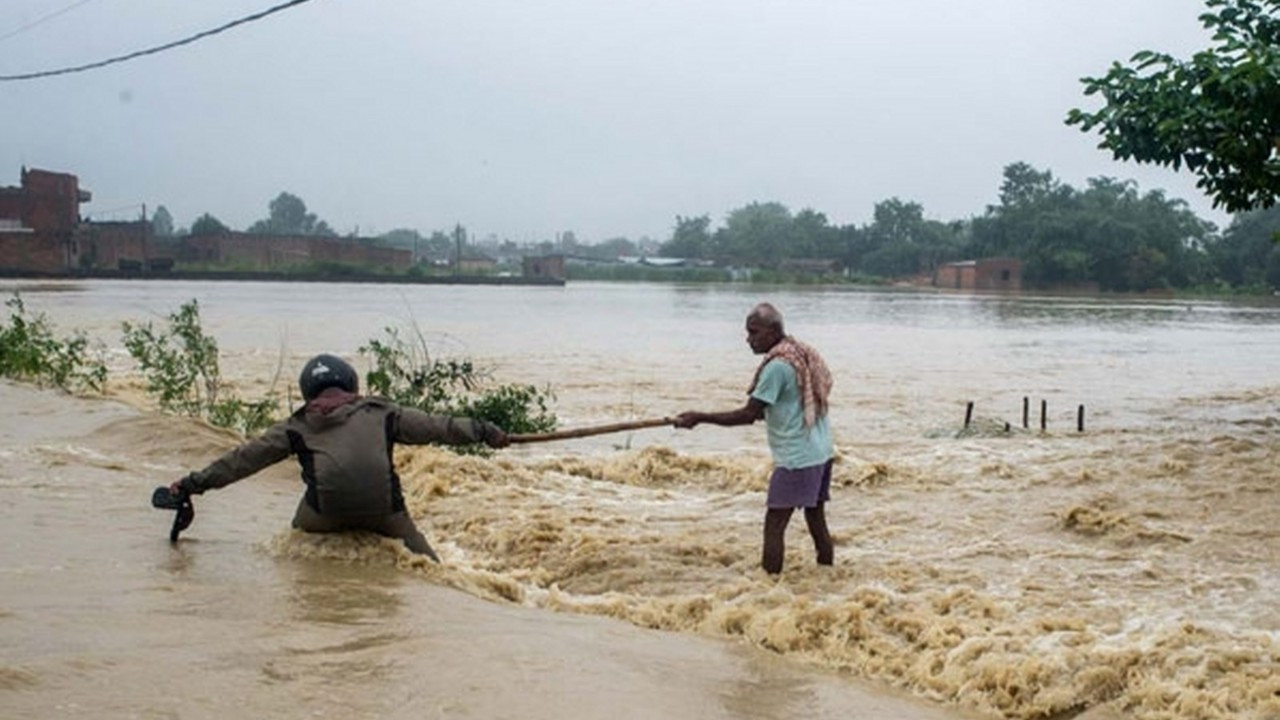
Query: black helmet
point(326, 371)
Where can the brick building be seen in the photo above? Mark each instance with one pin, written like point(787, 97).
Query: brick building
point(38, 222)
point(249, 252)
point(985, 274)
point(544, 267)
point(41, 231)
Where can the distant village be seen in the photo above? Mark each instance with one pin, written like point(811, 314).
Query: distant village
point(44, 234)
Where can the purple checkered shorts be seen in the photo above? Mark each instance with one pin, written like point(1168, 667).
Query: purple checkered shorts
point(802, 487)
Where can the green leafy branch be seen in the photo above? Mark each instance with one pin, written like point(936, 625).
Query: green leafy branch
point(180, 365)
point(407, 374)
point(30, 351)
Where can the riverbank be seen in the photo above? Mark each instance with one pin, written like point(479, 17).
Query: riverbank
point(245, 276)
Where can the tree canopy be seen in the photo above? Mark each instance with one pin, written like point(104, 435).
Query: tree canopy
point(1217, 114)
point(289, 216)
point(207, 224)
point(162, 222)
point(1108, 235)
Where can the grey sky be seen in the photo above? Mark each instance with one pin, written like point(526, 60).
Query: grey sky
point(522, 118)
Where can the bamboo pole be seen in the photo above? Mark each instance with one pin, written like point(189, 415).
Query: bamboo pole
point(588, 431)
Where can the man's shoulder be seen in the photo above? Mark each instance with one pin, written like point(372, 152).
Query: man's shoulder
point(377, 401)
point(780, 367)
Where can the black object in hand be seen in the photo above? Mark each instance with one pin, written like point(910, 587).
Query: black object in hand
point(163, 499)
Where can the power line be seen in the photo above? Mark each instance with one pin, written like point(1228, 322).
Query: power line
point(44, 19)
point(154, 50)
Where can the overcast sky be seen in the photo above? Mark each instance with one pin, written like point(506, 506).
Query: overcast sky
point(525, 118)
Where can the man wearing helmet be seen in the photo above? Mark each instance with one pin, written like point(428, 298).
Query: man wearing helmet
point(344, 444)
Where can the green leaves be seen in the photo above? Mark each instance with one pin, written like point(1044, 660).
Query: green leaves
point(1217, 114)
point(407, 374)
point(180, 366)
point(31, 352)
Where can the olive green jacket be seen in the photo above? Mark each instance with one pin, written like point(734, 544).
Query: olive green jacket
point(345, 454)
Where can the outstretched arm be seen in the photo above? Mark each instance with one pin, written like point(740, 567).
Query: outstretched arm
point(416, 427)
point(745, 415)
point(269, 448)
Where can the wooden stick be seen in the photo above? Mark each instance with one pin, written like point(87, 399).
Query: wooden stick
point(588, 431)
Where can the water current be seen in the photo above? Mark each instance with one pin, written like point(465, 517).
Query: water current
point(1126, 570)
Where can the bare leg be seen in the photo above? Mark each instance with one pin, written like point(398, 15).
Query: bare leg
point(775, 529)
point(816, 519)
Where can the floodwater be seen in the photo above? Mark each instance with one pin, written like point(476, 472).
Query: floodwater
point(1129, 570)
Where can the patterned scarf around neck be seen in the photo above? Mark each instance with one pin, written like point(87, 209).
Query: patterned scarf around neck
point(812, 375)
point(330, 399)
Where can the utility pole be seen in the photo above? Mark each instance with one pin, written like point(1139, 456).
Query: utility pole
point(458, 235)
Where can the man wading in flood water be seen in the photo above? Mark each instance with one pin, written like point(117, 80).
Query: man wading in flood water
point(344, 443)
point(790, 392)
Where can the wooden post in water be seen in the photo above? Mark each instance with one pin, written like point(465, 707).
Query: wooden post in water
point(1080, 419)
point(1044, 411)
point(1026, 412)
point(968, 414)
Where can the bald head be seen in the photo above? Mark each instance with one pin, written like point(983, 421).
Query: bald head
point(764, 328)
point(768, 315)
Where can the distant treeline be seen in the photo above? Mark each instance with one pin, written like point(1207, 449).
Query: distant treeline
point(1107, 235)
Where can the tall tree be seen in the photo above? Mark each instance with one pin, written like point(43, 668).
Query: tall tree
point(289, 216)
point(812, 236)
point(900, 241)
point(758, 233)
point(1218, 113)
point(162, 222)
point(1109, 234)
point(1246, 255)
point(691, 238)
point(207, 224)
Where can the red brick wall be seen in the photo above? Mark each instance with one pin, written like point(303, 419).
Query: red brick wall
point(46, 201)
point(48, 204)
point(106, 244)
point(988, 274)
point(278, 252)
point(954, 277)
point(999, 274)
point(37, 252)
point(549, 266)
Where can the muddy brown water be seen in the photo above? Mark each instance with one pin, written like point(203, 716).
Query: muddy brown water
point(1127, 571)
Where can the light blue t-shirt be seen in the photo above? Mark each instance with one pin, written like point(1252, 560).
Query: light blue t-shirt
point(793, 445)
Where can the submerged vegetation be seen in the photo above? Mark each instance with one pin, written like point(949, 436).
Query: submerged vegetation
point(406, 373)
point(179, 364)
point(30, 351)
